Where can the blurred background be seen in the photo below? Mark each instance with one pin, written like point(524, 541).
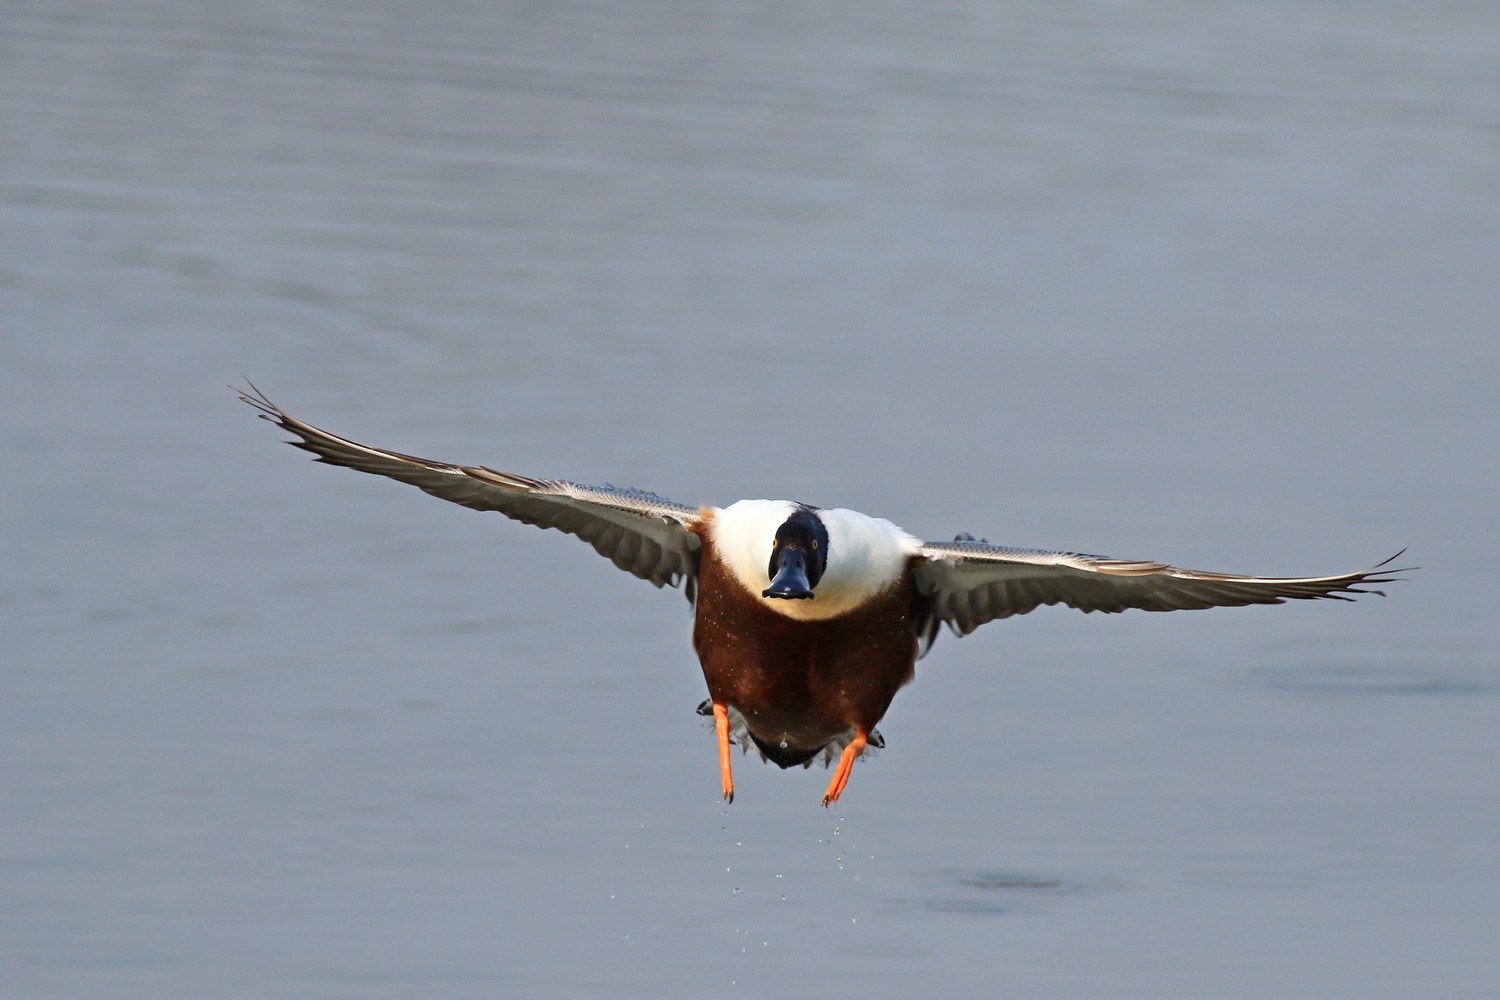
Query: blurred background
point(1208, 283)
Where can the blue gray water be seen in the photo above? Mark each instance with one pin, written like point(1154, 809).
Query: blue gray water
point(1215, 284)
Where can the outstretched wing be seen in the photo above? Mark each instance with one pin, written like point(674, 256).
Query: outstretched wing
point(639, 532)
point(965, 583)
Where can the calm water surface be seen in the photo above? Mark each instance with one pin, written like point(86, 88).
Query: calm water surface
point(1212, 284)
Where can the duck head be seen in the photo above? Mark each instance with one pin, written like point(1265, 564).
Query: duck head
point(799, 555)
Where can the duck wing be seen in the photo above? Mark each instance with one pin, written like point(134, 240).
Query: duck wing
point(640, 532)
point(965, 583)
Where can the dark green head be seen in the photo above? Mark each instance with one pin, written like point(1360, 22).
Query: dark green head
point(799, 555)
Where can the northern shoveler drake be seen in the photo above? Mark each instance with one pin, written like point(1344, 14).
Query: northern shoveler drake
point(808, 620)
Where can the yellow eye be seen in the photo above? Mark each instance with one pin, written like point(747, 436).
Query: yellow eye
point(815, 543)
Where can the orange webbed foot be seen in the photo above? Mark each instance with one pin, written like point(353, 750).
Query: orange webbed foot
point(846, 764)
point(721, 730)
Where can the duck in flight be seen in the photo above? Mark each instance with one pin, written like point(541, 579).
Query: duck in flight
point(808, 620)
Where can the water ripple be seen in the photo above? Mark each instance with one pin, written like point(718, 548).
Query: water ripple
point(1353, 670)
point(987, 891)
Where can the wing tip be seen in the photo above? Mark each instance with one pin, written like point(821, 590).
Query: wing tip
point(1376, 574)
point(267, 409)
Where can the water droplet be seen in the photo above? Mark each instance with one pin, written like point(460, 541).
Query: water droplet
point(783, 744)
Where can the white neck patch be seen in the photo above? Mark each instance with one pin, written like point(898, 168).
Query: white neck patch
point(865, 555)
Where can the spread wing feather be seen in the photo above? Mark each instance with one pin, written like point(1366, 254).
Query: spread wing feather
point(640, 532)
point(965, 583)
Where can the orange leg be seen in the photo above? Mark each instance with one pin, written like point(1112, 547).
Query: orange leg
point(721, 730)
point(846, 764)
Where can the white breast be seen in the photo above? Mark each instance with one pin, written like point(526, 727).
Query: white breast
point(865, 555)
